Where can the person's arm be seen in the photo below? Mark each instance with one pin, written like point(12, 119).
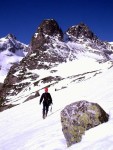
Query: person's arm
point(41, 98)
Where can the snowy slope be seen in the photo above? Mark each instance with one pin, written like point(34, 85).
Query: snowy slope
point(11, 52)
point(22, 127)
point(111, 43)
point(65, 74)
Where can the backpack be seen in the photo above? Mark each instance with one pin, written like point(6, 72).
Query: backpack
point(47, 99)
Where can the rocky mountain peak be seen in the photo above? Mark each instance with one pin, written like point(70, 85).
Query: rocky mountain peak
point(11, 36)
point(11, 44)
point(48, 28)
point(81, 31)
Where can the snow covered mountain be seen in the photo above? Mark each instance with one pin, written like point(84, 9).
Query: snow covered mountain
point(11, 52)
point(75, 66)
point(50, 49)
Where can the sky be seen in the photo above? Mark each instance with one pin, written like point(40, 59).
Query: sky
point(22, 17)
point(22, 127)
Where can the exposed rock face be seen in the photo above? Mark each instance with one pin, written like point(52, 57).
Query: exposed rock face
point(46, 29)
point(81, 31)
point(80, 116)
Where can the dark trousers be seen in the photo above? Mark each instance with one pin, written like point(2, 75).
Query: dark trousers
point(45, 109)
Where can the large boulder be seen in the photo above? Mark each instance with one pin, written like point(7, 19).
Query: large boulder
point(80, 116)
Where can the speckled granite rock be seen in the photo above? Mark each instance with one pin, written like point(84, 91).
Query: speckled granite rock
point(80, 116)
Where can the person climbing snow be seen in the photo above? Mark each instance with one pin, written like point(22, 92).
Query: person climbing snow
point(47, 101)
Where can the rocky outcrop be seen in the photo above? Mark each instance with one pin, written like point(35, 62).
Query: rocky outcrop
point(80, 116)
point(80, 31)
point(47, 29)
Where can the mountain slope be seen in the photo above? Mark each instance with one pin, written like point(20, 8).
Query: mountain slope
point(49, 48)
point(24, 123)
point(11, 52)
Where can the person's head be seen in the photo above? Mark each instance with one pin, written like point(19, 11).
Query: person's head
point(46, 89)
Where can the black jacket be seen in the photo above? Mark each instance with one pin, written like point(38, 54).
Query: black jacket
point(46, 98)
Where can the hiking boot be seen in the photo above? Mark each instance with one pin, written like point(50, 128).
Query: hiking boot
point(44, 116)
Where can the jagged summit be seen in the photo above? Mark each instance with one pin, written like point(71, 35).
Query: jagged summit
point(10, 36)
point(11, 44)
point(48, 28)
point(80, 31)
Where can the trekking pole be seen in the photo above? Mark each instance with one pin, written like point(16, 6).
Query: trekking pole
point(51, 108)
